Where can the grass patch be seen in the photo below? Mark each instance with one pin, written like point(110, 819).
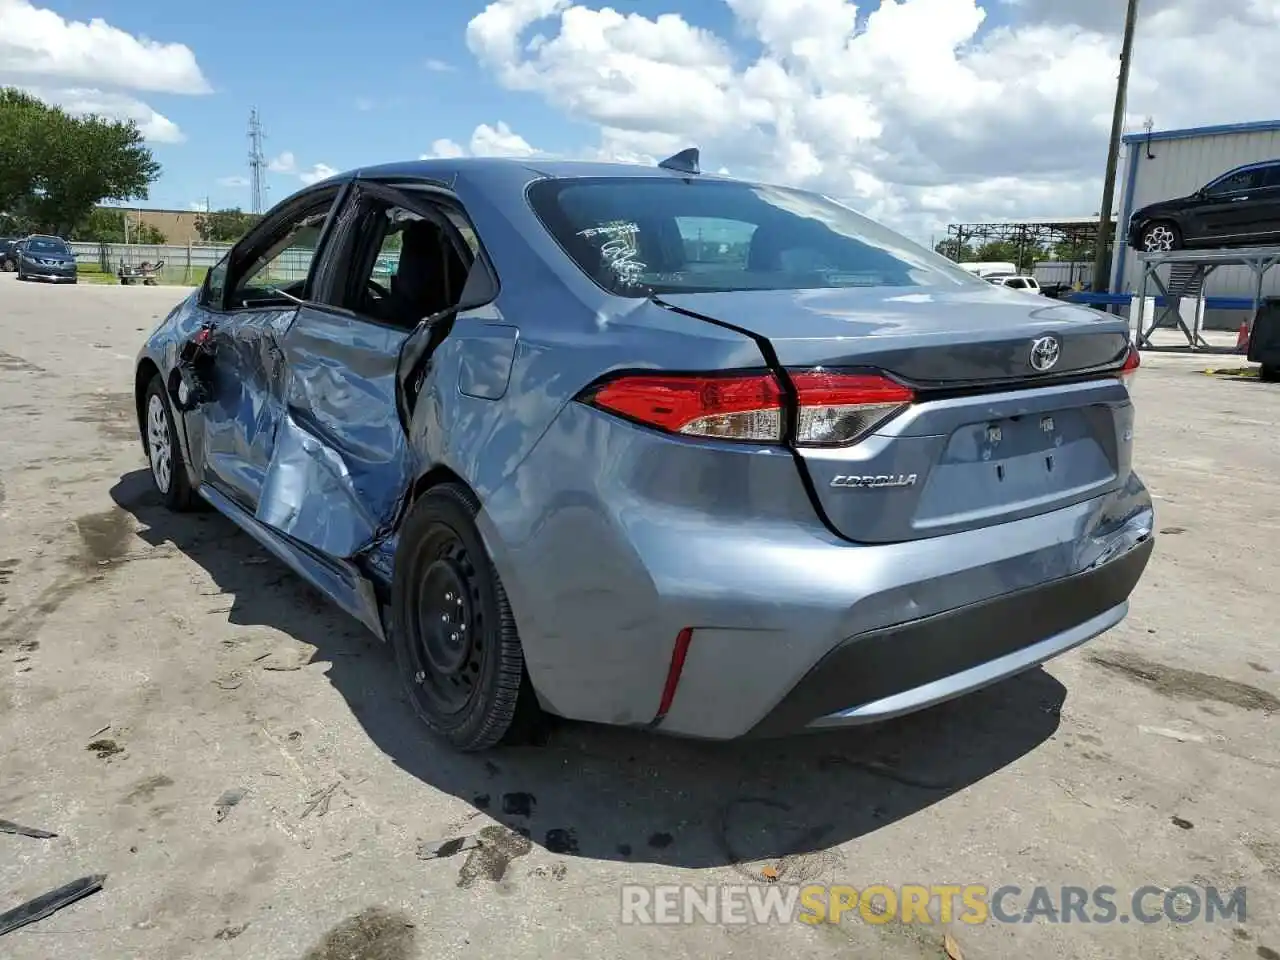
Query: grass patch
point(1235, 373)
point(169, 276)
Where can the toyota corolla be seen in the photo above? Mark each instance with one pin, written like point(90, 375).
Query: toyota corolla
point(643, 446)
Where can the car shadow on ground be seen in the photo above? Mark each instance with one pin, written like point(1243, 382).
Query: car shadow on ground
point(627, 795)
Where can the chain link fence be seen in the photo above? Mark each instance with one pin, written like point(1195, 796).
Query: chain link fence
point(183, 264)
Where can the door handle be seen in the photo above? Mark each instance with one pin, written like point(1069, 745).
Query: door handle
point(1238, 199)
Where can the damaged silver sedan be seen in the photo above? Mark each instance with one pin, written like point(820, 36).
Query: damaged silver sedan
point(643, 446)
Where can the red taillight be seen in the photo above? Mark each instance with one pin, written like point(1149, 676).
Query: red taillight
point(834, 408)
point(1131, 363)
point(743, 407)
point(839, 408)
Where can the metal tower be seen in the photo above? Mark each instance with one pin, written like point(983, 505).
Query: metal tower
point(257, 159)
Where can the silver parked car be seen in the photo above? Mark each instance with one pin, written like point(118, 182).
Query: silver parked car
point(643, 446)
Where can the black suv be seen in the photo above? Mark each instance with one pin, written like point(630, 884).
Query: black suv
point(1239, 209)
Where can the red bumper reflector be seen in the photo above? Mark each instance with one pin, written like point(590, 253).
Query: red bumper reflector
point(673, 672)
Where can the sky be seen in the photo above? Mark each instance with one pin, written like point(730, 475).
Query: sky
point(916, 112)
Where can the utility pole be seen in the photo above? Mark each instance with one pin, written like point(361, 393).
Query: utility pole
point(1101, 267)
point(257, 159)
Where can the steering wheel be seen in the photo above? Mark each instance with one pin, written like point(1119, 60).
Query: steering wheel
point(381, 292)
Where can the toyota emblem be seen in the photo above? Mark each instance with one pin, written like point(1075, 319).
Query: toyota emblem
point(1044, 353)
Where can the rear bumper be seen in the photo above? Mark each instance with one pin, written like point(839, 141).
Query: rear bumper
point(910, 666)
point(607, 556)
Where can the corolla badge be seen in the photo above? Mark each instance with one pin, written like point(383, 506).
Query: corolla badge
point(873, 482)
point(1045, 353)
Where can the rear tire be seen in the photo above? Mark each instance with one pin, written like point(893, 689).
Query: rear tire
point(164, 453)
point(453, 631)
point(1269, 373)
point(1161, 237)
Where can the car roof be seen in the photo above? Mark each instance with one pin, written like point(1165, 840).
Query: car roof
point(1255, 165)
point(444, 170)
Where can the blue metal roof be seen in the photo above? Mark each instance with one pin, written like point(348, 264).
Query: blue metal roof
point(1257, 126)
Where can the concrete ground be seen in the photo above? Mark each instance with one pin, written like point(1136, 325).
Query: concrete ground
point(234, 754)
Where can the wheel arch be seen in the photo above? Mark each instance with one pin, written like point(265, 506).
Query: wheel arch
point(143, 375)
point(439, 475)
point(436, 476)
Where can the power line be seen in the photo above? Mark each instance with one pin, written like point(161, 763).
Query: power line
point(257, 160)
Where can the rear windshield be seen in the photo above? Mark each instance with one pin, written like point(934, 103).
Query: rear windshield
point(637, 236)
point(47, 245)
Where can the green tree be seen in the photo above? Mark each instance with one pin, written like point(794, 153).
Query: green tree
point(953, 249)
point(54, 168)
point(1069, 251)
point(1025, 256)
point(224, 226)
point(22, 123)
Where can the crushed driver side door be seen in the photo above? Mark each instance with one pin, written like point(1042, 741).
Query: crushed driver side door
point(342, 463)
point(242, 380)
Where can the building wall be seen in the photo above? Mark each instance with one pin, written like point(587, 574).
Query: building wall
point(1183, 162)
point(178, 226)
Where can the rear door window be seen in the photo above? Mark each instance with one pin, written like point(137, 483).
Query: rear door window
point(1271, 175)
point(637, 236)
point(1236, 182)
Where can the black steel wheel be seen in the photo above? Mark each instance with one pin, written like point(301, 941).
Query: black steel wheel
point(453, 630)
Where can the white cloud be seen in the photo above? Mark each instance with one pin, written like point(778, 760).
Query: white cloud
point(199, 206)
point(438, 66)
point(155, 127)
point(499, 141)
point(917, 111)
point(85, 67)
point(40, 43)
point(233, 181)
point(318, 172)
point(444, 149)
point(486, 141)
point(284, 163)
point(287, 163)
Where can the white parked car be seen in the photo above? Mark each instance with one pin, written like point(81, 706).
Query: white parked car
point(1014, 282)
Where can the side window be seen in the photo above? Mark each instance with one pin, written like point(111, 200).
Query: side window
point(1235, 182)
point(215, 284)
point(278, 270)
point(1017, 283)
point(1271, 176)
point(404, 266)
point(714, 242)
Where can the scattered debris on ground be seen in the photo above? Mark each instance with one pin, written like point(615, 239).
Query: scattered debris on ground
point(8, 826)
point(50, 903)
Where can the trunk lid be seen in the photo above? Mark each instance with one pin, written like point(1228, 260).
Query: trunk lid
point(990, 439)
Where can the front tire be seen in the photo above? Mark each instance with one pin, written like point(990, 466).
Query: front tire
point(453, 631)
point(1269, 373)
point(1161, 237)
point(164, 452)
